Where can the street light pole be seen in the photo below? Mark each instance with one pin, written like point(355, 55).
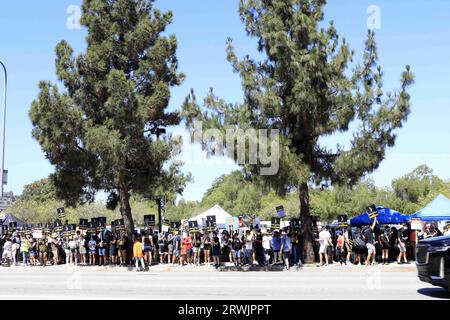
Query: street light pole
point(4, 127)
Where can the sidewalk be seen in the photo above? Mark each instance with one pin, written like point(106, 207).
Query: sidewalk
point(227, 267)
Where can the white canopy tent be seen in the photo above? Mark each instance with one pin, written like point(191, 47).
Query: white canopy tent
point(222, 217)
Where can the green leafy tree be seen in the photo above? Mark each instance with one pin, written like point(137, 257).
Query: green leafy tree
point(304, 87)
point(416, 184)
point(99, 132)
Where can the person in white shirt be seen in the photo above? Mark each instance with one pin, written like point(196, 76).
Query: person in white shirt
point(324, 241)
point(266, 241)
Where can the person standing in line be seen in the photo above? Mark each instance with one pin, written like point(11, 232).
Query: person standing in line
point(169, 248)
point(24, 249)
point(7, 251)
point(92, 246)
point(385, 245)
point(43, 253)
point(33, 252)
point(176, 259)
point(162, 245)
point(66, 248)
point(348, 240)
point(138, 254)
point(207, 249)
point(401, 243)
point(325, 242)
point(236, 249)
point(340, 248)
point(267, 246)
point(196, 249)
point(82, 250)
point(276, 247)
point(369, 236)
point(102, 251)
point(248, 251)
point(216, 251)
point(286, 247)
point(148, 249)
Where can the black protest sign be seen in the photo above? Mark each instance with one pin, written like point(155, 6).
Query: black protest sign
point(13, 225)
point(372, 211)
point(4, 228)
point(150, 220)
point(58, 227)
point(91, 227)
point(120, 225)
point(280, 211)
point(210, 226)
point(193, 226)
point(211, 218)
point(83, 224)
point(342, 221)
point(314, 220)
point(295, 223)
point(47, 228)
point(61, 213)
point(175, 225)
point(66, 230)
point(275, 223)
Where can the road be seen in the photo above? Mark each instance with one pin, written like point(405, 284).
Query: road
point(205, 284)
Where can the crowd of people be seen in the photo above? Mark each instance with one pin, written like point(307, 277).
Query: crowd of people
point(372, 244)
point(367, 245)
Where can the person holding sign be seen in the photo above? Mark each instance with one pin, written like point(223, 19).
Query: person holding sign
point(369, 236)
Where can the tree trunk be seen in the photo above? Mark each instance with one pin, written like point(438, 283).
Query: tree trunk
point(125, 210)
point(305, 217)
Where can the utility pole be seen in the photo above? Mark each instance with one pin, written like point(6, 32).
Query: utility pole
point(4, 127)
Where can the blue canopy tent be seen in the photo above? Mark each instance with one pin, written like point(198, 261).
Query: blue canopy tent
point(436, 210)
point(387, 216)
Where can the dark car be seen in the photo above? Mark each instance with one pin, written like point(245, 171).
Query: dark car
point(433, 261)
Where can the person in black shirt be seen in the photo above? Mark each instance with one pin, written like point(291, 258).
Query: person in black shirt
point(401, 242)
point(369, 236)
point(236, 247)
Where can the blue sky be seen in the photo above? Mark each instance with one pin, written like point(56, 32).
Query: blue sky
point(412, 32)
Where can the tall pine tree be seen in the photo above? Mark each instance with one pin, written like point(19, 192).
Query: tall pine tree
point(99, 133)
point(305, 88)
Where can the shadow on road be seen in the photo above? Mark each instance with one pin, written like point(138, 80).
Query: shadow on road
point(437, 293)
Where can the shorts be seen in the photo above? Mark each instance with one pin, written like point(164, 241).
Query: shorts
point(148, 249)
point(323, 248)
point(170, 247)
point(32, 253)
point(82, 250)
point(189, 252)
point(402, 247)
point(176, 253)
point(91, 251)
point(237, 253)
point(101, 252)
point(162, 250)
point(286, 254)
point(370, 248)
point(196, 249)
point(112, 251)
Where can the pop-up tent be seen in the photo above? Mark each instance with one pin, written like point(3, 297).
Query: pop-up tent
point(221, 216)
point(387, 216)
point(7, 218)
point(436, 210)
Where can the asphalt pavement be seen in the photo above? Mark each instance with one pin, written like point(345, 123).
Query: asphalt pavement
point(205, 283)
